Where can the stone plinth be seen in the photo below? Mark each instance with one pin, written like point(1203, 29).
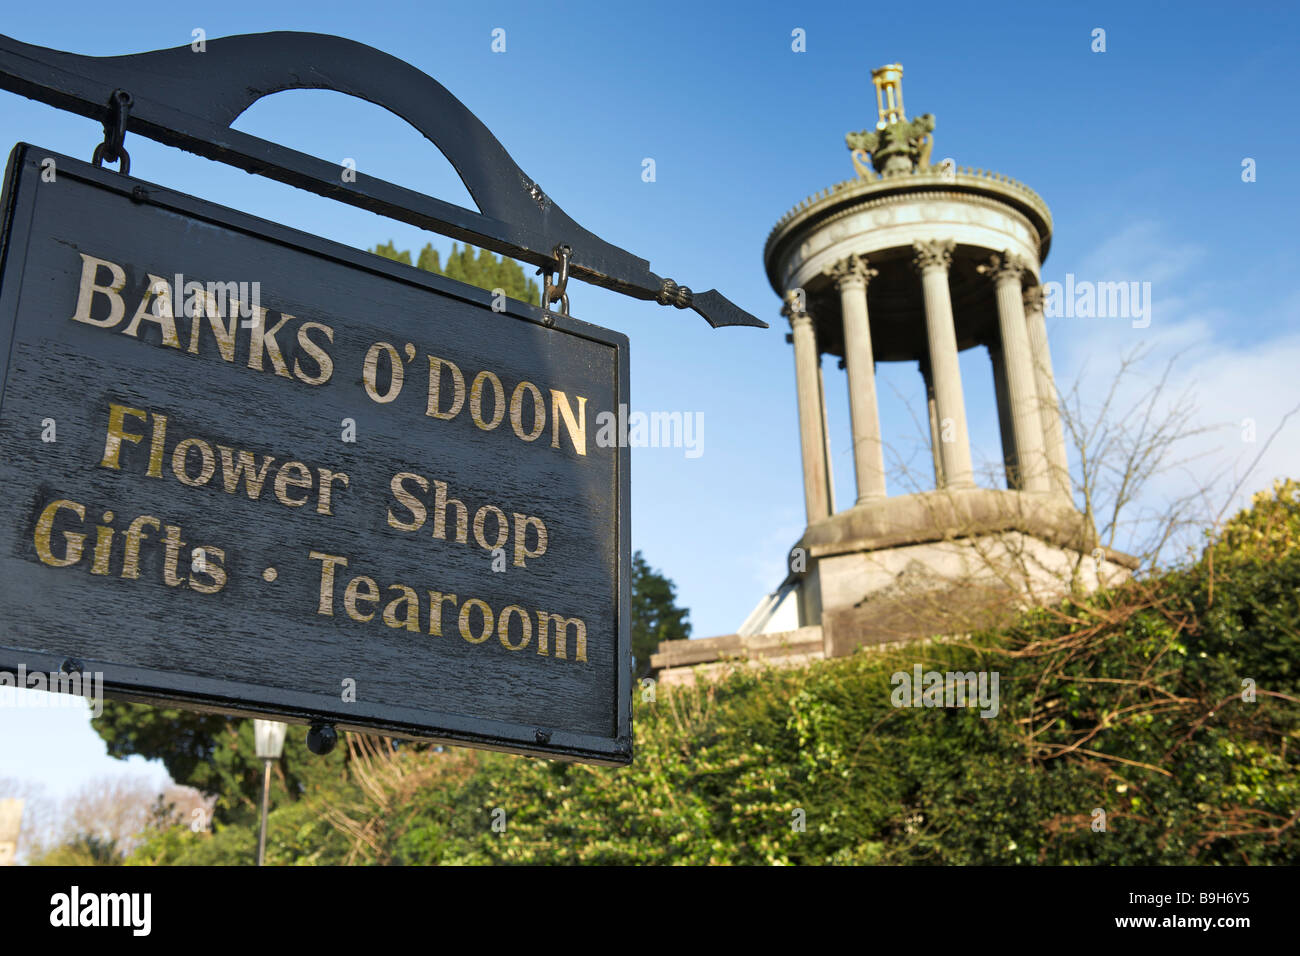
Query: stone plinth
point(937, 564)
point(946, 562)
point(682, 662)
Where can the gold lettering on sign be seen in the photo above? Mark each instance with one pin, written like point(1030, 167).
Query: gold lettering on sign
point(476, 401)
point(157, 446)
point(263, 342)
point(134, 535)
point(159, 313)
point(293, 474)
point(327, 479)
point(503, 628)
point(225, 334)
point(102, 555)
point(103, 546)
point(214, 567)
point(173, 544)
point(544, 621)
point(180, 462)
point(576, 425)
point(219, 313)
point(406, 498)
point(517, 411)
point(324, 364)
point(113, 442)
point(328, 563)
point(408, 501)
point(230, 471)
point(503, 529)
point(475, 621)
point(219, 305)
point(435, 610)
point(435, 384)
point(238, 466)
point(486, 614)
point(73, 542)
point(370, 372)
point(351, 597)
point(522, 552)
point(410, 618)
point(90, 267)
point(440, 502)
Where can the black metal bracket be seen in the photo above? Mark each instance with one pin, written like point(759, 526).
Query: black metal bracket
point(111, 148)
point(188, 99)
point(552, 292)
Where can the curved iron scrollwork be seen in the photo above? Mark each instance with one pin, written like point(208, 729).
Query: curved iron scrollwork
point(188, 99)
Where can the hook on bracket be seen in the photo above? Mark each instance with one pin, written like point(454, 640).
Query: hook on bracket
point(111, 149)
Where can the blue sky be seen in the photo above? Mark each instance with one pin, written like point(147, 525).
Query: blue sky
point(1137, 151)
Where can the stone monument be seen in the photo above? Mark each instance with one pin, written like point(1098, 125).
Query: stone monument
point(913, 262)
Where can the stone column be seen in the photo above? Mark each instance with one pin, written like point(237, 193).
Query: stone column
point(932, 259)
point(1004, 417)
point(851, 277)
point(1049, 409)
point(924, 365)
point(826, 433)
point(1022, 389)
point(812, 441)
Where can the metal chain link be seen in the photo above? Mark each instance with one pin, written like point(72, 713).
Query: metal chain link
point(111, 149)
point(557, 292)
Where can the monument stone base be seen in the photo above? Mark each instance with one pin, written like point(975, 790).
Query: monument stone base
point(936, 564)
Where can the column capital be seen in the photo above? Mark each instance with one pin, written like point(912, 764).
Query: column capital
point(1033, 298)
point(932, 254)
point(795, 306)
point(851, 270)
point(1003, 267)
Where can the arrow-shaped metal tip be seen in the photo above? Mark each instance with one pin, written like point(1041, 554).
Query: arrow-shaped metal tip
point(718, 311)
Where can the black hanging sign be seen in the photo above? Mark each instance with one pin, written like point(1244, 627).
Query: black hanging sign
point(248, 470)
point(251, 470)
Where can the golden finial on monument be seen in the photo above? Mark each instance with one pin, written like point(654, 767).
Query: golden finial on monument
point(896, 145)
point(889, 94)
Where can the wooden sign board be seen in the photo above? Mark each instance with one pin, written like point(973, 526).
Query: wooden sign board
point(248, 470)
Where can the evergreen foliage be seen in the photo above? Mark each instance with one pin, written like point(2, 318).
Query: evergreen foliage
point(484, 270)
point(655, 614)
point(1171, 703)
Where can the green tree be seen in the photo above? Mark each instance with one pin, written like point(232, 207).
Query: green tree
point(85, 849)
point(389, 251)
point(215, 754)
point(429, 260)
point(481, 269)
point(655, 614)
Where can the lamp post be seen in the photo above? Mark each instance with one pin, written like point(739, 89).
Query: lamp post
point(268, 736)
